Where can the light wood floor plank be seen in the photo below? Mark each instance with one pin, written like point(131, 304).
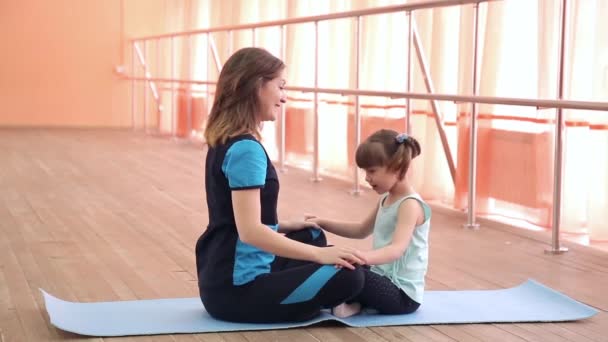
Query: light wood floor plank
point(98, 214)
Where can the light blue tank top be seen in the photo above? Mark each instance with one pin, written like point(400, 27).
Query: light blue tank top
point(409, 270)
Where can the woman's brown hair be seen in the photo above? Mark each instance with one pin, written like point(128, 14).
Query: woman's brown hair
point(388, 148)
point(237, 103)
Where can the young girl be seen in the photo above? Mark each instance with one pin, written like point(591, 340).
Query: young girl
point(394, 284)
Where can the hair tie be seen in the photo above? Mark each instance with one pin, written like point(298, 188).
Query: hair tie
point(401, 138)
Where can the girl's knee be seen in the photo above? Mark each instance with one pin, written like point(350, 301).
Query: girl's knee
point(403, 310)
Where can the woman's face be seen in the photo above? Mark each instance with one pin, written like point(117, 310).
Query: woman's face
point(272, 97)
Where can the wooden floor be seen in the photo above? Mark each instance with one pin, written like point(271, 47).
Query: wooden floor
point(98, 215)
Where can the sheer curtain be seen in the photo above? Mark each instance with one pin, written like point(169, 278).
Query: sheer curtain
point(518, 58)
point(514, 143)
point(383, 68)
point(586, 154)
point(515, 153)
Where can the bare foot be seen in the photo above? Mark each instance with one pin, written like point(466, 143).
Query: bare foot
point(346, 310)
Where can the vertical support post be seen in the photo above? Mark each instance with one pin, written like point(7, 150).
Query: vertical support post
point(188, 86)
point(158, 72)
point(315, 167)
point(473, 129)
point(207, 67)
point(146, 84)
point(172, 68)
point(357, 189)
point(133, 74)
point(409, 79)
point(559, 136)
point(283, 116)
point(253, 37)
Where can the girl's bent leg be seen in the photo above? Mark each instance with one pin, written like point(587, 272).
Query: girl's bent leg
point(381, 294)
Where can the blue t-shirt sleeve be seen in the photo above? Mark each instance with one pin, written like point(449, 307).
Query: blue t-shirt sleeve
point(245, 165)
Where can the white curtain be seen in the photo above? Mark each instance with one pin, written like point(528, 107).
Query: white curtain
point(518, 58)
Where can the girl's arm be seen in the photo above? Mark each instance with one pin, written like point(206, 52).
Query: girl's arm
point(410, 213)
point(353, 230)
point(246, 207)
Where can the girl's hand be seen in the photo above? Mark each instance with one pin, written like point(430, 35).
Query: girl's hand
point(340, 256)
point(313, 219)
point(297, 225)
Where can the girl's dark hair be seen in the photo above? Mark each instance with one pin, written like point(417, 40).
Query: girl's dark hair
point(236, 104)
point(388, 148)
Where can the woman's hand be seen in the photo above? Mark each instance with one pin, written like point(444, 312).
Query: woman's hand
point(340, 256)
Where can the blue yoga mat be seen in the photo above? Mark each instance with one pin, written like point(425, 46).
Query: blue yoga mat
point(528, 302)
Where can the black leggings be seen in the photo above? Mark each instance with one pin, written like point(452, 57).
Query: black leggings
point(378, 293)
point(381, 294)
point(294, 290)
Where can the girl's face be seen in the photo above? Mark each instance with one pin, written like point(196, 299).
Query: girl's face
point(381, 179)
point(272, 97)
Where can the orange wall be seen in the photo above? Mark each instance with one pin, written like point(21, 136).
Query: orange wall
point(58, 58)
point(56, 63)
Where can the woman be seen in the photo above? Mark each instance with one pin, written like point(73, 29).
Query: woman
point(251, 268)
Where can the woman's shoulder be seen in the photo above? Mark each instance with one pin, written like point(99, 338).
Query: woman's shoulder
point(245, 146)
